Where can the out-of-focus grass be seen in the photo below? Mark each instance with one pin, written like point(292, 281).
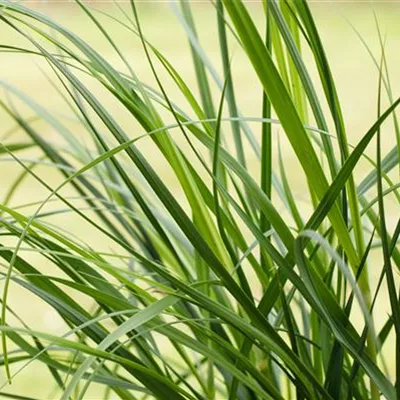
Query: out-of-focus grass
point(355, 73)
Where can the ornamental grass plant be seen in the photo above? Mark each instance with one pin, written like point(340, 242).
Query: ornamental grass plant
point(169, 241)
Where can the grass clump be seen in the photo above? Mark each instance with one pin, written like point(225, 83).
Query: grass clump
point(215, 284)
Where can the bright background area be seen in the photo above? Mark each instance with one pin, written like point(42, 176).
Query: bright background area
point(354, 71)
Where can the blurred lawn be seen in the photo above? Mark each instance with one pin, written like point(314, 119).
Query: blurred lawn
point(355, 73)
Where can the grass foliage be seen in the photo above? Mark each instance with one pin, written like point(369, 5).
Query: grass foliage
point(222, 286)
